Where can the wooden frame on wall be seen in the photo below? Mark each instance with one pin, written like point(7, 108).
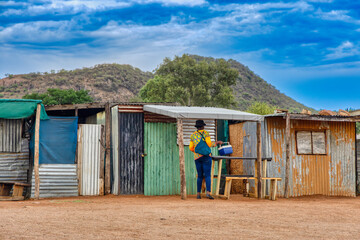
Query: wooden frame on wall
point(311, 131)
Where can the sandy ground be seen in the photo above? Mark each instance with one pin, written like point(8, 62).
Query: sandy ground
point(169, 217)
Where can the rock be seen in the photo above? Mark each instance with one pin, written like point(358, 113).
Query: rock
point(343, 113)
point(327, 113)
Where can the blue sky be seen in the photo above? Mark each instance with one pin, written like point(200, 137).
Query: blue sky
point(308, 49)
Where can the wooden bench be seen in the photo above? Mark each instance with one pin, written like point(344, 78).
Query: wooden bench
point(273, 185)
point(17, 190)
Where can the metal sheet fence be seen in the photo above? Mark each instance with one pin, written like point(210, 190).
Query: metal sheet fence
point(56, 180)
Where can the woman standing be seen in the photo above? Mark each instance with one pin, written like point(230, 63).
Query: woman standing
point(200, 144)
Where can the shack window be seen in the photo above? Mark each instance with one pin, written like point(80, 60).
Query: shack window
point(311, 142)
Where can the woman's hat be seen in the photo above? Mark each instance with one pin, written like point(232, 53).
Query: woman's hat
point(199, 123)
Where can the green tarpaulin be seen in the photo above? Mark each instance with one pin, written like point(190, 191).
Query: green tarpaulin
point(20, 108)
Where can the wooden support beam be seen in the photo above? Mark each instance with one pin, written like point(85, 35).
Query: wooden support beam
point(287, 148)
point(264, 185)
point(107, 144)
point(180, 141)
point(76, 111)
point(258, 152)
point(102, 162)
point(36, 152)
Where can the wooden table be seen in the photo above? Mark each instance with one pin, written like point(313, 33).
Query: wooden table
point(219, 159)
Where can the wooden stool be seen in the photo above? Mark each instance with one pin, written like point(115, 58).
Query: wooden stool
point(273, 187)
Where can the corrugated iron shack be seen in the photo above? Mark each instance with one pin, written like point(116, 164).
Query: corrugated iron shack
point(16, 120)
point(145, 145)
point(92, 166)
point(320, 157)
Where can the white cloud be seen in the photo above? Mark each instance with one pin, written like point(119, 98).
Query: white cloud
point(174, 2)
point(336, 15)
point(76, 6)
point(345, 49)
point(308, 44)
point(12, 4)
point(257, 7)
point(36, 32)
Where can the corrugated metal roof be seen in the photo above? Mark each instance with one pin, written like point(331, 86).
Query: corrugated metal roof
point(315, 117)
point(202, 113)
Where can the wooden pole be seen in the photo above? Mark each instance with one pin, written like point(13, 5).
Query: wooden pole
point(102, 156)
point(36, 152)
point(258, 152)
point(107, 152)
point(287, 166)
point(180, 141)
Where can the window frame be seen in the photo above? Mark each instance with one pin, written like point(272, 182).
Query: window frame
point(312, 142)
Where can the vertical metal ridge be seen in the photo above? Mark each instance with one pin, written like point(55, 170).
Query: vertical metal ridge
point(90, 158)
point(10, 135)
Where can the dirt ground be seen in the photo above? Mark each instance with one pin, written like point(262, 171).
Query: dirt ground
point(169, 217)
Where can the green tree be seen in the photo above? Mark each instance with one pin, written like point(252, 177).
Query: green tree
point(55, 96)
point(261, 108)
point(192, 83)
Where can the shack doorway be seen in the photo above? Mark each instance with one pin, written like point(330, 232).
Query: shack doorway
point(131, 149)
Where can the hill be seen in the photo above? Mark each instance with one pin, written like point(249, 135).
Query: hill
point(106, 82)
point(250, 87)
point(115, 82)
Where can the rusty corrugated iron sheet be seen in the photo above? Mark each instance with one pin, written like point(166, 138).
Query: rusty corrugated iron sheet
point(332, 174)
point(243, 140)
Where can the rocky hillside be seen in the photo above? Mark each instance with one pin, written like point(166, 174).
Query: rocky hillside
point(106, 82)
point(250, 87)
point(115, 82)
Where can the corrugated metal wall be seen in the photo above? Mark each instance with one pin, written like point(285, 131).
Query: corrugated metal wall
point(243, 139)
point(89, 158)
point(14, 166)
point(115, 149)
point(188, 129)
point(10, 135)
point(56, 180)
point(162, 170)
point(131, 148)
point(332, 174)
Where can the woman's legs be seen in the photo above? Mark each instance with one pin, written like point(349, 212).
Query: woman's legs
point(207, 163)
point(203, 167)
point(199, 169)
